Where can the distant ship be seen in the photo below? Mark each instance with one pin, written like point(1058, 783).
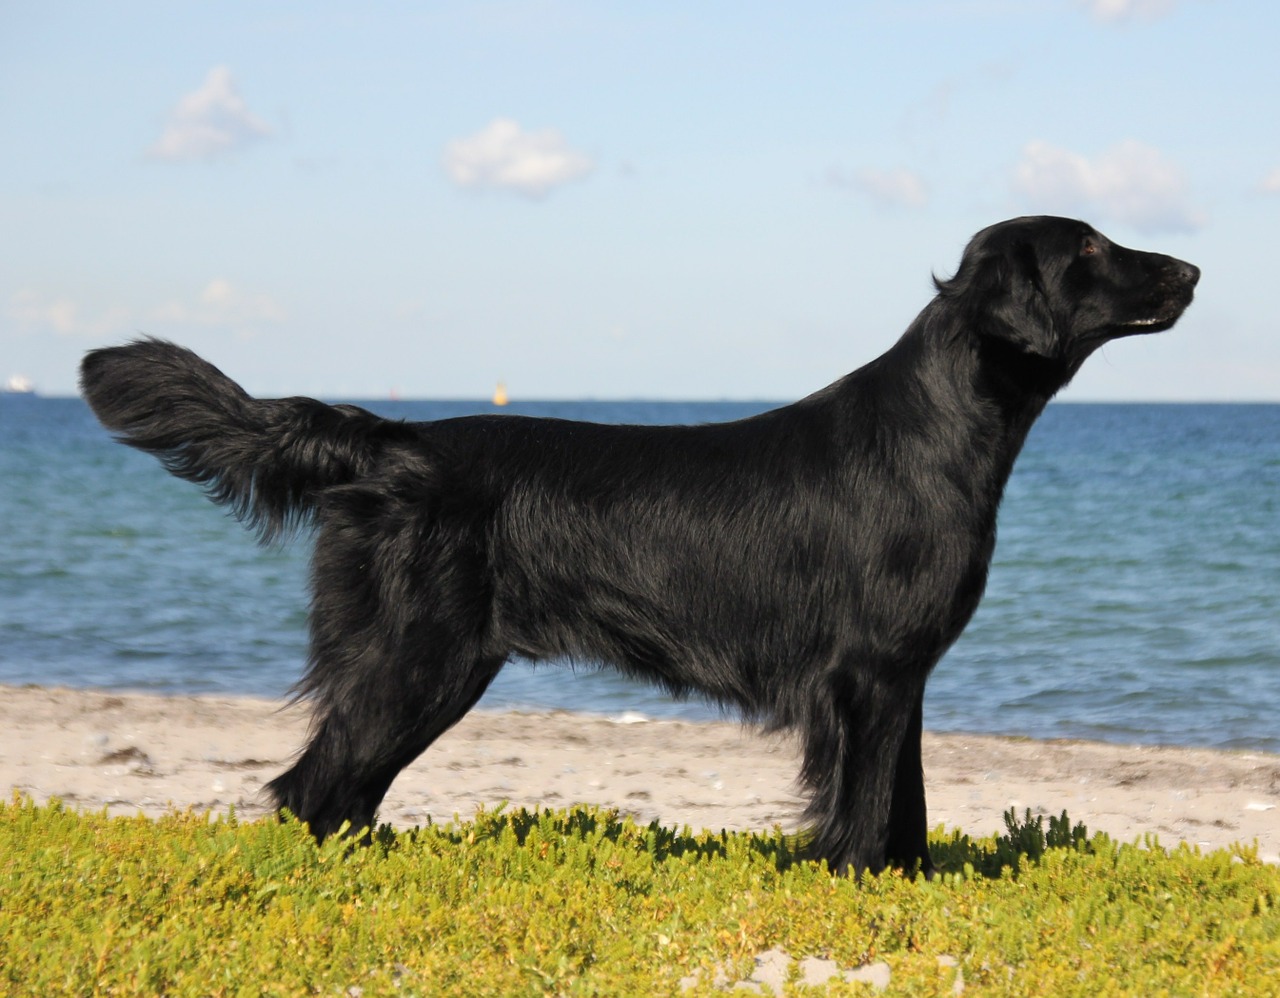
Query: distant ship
point(20, 384)
point(500, 394)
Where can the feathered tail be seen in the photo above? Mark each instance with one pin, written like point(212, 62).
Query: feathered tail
point(267, 459)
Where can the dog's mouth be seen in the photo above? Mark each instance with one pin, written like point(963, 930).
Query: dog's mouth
point(1158, 316)
point(1151, 324)
point(1173, 292)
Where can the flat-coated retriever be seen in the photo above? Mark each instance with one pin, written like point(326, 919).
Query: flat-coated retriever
point(807, 566)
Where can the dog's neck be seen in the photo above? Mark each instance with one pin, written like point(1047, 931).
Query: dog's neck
point(984, 391)
point(983, 373)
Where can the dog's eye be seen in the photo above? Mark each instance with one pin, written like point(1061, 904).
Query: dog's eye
point(1089, 248)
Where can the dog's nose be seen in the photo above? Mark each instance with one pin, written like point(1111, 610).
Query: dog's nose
point(1189, 272)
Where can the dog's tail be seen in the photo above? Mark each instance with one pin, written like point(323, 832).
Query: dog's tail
point(267, 459)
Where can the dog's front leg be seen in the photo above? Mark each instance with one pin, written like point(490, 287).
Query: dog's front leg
point(908, 845)
point(853, 737)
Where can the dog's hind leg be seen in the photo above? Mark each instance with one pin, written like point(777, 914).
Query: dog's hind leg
point(399, 616)
point(908, 820)
point(364, 734)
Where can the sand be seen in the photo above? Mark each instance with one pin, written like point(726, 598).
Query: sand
point(134, 753)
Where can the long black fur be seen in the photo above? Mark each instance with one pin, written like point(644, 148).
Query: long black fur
point(807, 566)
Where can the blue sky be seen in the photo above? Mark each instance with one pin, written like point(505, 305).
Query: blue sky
point(659, 200)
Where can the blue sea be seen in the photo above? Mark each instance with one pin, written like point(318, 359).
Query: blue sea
point(1134, 597)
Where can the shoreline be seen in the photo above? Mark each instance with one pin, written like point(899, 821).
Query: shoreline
point(148, 753)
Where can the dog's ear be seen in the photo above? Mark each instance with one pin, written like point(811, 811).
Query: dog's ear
point(1001, 294)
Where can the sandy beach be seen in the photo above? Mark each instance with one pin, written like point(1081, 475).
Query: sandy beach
point(135, 753)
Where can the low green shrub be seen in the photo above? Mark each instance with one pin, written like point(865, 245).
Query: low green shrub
point(583, 902)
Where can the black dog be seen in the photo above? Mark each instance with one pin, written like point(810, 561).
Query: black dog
point(808, 566)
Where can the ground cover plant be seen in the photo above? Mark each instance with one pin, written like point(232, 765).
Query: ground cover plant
point(585, 902)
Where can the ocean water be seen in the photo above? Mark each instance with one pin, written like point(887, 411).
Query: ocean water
point(1134, 597)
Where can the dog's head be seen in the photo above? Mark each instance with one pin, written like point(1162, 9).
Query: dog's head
point(1056, 288)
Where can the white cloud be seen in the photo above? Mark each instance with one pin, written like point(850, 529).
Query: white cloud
point(221, 304)
point(34, 311)
point(898, 187)
point(209, 122)
point(1130, 182)
point(1271, 182)
point(1127, 10)
point(505, 156)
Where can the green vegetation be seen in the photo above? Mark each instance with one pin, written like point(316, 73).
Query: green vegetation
point(580, 902)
